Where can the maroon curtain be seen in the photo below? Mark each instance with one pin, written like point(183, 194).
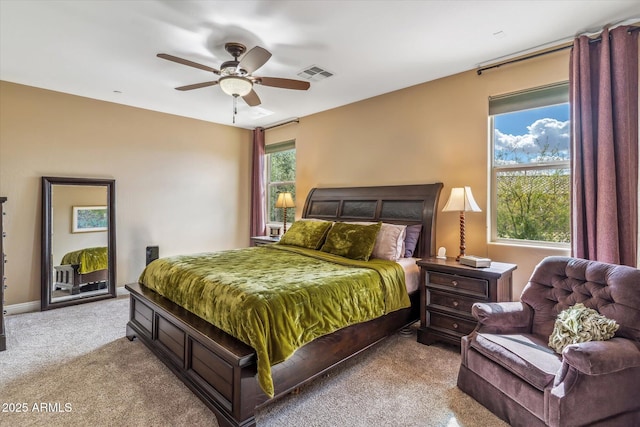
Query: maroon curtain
point(258, 185)
point(604, 138)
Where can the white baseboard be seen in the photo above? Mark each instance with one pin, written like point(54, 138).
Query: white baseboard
point(28, 307)
point(122, 292)
point(25, 307)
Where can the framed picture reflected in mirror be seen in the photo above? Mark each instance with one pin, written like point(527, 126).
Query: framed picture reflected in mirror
point(89, 218)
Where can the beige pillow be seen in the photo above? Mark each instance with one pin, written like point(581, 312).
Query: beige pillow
point(389, 242)
point(579, 324)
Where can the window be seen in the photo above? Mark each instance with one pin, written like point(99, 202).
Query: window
point(280, 168)
point(531, 173)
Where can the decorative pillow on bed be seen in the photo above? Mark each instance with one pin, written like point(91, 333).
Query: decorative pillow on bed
point(353, 241)
point(579, 324)
point(306, 234)
point(389, 242)
point(411, 239)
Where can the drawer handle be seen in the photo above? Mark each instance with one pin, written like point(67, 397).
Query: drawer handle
point(456, 303)
point(455, 326)
point(454, 283)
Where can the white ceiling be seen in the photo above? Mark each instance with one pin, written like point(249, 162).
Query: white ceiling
point(107, 49)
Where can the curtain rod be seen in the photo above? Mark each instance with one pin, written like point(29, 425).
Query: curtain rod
point(282, 124)
point(537, 54)
point(523, 58)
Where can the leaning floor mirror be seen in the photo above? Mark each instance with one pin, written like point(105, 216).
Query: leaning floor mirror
point(78, 241)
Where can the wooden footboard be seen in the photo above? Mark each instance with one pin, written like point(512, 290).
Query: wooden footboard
point(68, 277)
point(221, 370)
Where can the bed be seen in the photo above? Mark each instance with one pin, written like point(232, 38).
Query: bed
point(82, 270)
point(223, 371)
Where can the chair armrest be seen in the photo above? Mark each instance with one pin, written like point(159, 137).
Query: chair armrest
point(602, 357)
point(502, 317)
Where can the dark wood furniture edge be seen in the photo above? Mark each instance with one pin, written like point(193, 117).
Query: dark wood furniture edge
point(496, 270)
point(308, 362)
point(3, 334)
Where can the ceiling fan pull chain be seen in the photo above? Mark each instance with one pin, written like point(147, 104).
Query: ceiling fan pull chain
point(235, 109)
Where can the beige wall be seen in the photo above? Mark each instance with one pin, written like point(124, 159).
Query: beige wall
point(182, 184)
point(436, 131)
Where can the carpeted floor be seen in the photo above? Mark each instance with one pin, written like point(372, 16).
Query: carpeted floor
point(74, 366)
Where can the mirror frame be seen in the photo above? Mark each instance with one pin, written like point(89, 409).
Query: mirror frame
point(47, 268)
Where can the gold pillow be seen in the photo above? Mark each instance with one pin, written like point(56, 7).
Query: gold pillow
point(351, 240)
point(306, 234)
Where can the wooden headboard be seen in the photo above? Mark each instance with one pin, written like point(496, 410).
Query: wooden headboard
point(396, 204)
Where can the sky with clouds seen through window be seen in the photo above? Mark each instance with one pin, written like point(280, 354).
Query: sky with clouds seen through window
point(530, 136)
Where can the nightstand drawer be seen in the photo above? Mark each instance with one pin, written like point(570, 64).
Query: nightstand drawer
point(451, 302)
point(467, 285)
point(449, 291)
point(450, 324)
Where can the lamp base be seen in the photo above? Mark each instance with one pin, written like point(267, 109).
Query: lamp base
point(462, 243)
point(284, 228)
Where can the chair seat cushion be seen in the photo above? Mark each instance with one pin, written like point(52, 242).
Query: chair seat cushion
point(526, 356)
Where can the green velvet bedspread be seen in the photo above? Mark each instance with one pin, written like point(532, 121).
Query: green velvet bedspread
point(89, 259)
point(277, 298)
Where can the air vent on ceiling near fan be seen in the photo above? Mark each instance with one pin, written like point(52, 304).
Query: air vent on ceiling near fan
point(314, 73)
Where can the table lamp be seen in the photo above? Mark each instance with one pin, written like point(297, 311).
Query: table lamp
point(461, 200)
point(285, 200)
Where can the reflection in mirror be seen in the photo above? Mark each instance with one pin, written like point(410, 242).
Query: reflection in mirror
point(78, 241)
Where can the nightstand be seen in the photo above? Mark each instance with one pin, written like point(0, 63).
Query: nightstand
point(449, 289)
point(263, 240)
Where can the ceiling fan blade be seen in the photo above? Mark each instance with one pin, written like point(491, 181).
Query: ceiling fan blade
point(283, 83)
point(252, 98)
point(254, 59)
point(197, 85)
point(187, 62)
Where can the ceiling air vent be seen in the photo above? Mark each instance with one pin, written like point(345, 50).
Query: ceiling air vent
point(314, 73)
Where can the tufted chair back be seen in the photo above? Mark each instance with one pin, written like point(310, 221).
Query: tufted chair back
point(560, 282)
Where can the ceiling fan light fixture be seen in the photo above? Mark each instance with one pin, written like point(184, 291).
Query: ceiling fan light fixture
point(235, 86)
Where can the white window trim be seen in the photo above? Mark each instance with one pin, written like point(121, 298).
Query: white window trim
point(493, 174)
point(270, 149)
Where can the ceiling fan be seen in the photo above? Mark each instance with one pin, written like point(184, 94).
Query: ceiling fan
point(236, 77)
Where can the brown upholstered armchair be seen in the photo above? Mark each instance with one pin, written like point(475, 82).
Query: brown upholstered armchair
point(508, 367)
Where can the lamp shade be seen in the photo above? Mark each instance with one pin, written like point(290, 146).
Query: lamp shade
point(235, 86)
point(461, 200)
point(285, 200)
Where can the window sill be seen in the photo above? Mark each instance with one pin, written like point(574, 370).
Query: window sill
point(557, 250)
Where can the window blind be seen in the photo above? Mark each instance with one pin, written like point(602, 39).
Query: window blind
point(531, 98)
point(280, 146)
